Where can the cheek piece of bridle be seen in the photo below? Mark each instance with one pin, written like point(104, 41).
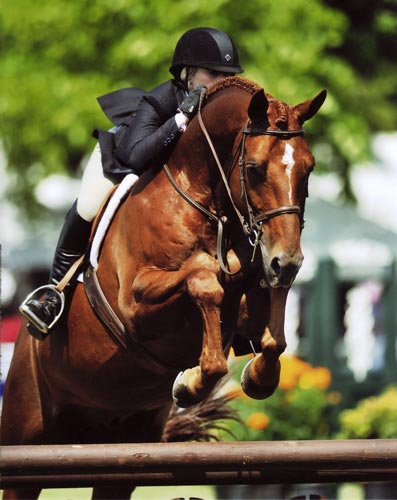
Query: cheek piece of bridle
point(252, 227)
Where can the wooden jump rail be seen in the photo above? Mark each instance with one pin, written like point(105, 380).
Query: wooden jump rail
point(160, 464)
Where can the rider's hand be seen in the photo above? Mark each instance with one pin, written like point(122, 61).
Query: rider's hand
point(190, 105)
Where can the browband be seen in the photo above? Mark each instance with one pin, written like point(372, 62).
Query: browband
point(279, 133)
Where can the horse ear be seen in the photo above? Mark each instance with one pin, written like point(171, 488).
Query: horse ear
point(257, 109)
point(308, 109)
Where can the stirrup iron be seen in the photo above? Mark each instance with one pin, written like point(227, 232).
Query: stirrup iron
point(37, 322)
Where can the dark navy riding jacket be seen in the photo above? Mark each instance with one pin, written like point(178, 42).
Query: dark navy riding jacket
point(146, 130)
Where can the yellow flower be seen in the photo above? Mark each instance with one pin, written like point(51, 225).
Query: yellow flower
point(257, 421)
point(319, 378)
point(291, 369)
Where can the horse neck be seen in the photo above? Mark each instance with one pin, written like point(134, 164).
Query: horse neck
point(193, 154)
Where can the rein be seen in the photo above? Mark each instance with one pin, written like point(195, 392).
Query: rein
point(219, 221)
point(253, 227)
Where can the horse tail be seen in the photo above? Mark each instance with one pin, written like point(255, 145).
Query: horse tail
point(202, 422)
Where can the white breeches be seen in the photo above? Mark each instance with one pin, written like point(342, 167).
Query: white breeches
point(94, 187)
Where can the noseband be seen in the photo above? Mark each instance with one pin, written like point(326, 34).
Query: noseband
point(252, 227)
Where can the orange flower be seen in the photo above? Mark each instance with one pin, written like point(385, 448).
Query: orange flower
point(319, 378)
point(334, 397)
point(287, 380)
point(257, 421)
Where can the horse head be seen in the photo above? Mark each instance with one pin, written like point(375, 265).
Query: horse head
point(271, 182)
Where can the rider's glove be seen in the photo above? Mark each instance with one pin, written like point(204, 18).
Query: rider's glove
point(190, 105)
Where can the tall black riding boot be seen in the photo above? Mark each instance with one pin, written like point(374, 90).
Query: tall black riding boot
point(72, 243)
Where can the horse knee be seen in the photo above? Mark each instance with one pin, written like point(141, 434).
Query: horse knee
point(203, 286)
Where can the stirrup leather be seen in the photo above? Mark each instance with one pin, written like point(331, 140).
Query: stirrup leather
point(37, 322)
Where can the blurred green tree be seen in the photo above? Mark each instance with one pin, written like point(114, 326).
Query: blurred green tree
point(58, 56)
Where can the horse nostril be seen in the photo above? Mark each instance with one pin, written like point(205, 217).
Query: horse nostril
point(284, 269)
point(275, 265)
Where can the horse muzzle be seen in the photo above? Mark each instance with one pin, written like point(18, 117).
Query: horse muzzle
point(281, 269)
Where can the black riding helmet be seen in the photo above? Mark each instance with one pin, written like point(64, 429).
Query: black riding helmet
point(205, 48)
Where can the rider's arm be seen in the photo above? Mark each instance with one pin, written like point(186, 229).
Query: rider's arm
point(150, 137)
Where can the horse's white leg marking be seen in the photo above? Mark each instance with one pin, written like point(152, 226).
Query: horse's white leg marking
point(288, 160)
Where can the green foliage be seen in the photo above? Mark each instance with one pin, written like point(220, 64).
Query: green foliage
point(373, 417)
point(59, 56)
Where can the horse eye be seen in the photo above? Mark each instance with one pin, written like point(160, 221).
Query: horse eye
point(254, 174)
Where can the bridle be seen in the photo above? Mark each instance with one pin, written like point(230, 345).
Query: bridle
point(252, 227)
point(254, 221)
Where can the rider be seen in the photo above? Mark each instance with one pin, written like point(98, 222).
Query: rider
point(146, 138)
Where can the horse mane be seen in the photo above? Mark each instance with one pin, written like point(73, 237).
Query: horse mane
point(250, 87)
point(233, 81)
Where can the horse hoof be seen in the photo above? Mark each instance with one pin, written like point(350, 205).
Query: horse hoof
point(180, 393)
point(252, 389)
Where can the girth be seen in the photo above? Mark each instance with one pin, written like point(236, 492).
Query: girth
point(105, 313)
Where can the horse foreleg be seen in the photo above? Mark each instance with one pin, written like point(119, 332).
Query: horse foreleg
point(261, 375)
point(194, 384)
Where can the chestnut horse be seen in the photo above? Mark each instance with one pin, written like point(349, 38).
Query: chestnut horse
point(199, 252)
